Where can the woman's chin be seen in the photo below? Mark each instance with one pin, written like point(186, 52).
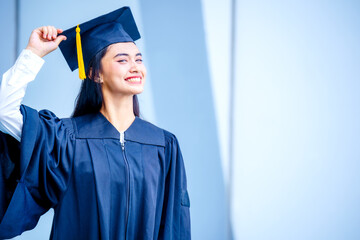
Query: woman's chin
point(137, 90)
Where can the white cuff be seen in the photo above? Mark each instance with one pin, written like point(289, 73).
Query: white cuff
point(28, 63)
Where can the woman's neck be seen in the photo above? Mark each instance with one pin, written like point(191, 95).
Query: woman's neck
point(119, 112)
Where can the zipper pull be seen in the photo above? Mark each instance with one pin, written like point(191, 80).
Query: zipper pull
point(122, 140)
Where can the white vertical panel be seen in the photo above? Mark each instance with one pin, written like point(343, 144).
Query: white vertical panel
point(217, 24)
point(297, 126)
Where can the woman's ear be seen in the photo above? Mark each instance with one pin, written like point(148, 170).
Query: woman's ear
point(89, 74)
point(97, 79)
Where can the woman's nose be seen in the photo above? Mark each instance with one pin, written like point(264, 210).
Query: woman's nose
point(133, 67)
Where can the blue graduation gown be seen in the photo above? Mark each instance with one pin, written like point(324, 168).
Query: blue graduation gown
point(98, 188)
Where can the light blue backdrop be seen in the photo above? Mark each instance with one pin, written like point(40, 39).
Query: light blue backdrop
point(297, 121)
point(7, 41)
point(297, 131)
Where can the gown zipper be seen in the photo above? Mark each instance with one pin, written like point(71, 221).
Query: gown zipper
point(122, 142)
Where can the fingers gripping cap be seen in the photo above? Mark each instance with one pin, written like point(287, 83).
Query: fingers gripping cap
point(97, 34)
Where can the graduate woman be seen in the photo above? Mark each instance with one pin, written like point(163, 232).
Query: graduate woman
point(106, 173)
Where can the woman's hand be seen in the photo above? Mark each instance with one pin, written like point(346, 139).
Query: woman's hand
point(44, 40)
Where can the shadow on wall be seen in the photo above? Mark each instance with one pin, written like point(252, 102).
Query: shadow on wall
point(176, 49)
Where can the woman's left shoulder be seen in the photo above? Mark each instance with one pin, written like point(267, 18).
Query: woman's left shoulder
point(168, 137)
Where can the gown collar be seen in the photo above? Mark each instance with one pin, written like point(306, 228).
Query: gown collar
point(97, 126)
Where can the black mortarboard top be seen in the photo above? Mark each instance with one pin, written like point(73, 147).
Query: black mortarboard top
point(97, 34)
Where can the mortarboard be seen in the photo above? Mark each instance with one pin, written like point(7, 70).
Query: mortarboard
point(97, 34)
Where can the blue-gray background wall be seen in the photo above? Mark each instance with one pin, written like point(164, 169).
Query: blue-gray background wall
point(295, 162)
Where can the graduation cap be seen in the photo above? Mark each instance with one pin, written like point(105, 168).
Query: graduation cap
point(85, 40)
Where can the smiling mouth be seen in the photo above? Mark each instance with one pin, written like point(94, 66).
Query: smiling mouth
point(133, 79)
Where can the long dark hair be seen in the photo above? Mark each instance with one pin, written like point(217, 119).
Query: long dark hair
point(90, 98)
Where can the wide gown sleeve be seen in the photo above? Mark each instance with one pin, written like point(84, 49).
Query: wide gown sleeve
point(175, 220)
point(34, 173)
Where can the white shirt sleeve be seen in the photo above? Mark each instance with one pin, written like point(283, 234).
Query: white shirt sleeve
point(12, 91)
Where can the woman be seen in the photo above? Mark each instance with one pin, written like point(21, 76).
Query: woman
point(107, 173)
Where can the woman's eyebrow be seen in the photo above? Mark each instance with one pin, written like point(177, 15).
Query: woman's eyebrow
point(125, 54)
point(121, 54)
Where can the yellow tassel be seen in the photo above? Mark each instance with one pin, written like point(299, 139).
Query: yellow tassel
point(82, 75)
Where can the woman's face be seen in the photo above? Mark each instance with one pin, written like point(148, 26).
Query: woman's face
point(122, 70)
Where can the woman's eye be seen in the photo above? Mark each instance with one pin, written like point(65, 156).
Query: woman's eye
point(122, 61)
point(139, 60)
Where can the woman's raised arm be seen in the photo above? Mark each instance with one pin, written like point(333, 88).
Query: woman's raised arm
point(42, 41)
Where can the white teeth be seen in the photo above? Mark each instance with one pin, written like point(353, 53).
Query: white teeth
point(134, 80)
